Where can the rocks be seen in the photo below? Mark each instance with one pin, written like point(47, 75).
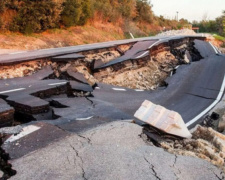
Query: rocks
point(206, 144)
point(146, 74)
point(22, 69)
point(11, 130)
point(103, 56)
point(177, 32)
point(221, 126)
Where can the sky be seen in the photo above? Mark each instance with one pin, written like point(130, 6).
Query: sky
point(189, 9)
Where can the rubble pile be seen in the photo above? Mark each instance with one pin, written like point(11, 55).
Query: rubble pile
point(22, 69)
point(205, 143)
point(148, 77)
point(103, 56)
point(177, 32)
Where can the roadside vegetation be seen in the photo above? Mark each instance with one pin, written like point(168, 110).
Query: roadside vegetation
point(36, 16)
point(216, 27)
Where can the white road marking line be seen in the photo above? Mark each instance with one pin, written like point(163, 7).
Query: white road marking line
point(213, 48)
point(177, 67)
point(97, 88)
point(26, 130)
point(18, 52)
point(218, 50)
point(119, 89)
point(146, 52)
point(84, 119)
point(210, 107)
point(13, 90)
point(139, 90)
point(57, 84)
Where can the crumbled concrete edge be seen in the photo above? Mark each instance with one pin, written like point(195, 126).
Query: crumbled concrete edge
point(11, 130)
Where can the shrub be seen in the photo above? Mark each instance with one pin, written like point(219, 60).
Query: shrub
point(144, 11)
point(71, 12)
point(1, 23)
point(35, 16)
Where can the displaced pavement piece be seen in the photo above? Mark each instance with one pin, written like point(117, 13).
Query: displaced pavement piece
point(32, 138)
point(163, 119)
point(130, 54)
point(113, 151)
point(77, 76)
point(205, 48)
point(80, 86)
point(6, 114)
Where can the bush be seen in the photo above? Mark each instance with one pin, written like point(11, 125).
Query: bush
point(87, 11)
point(71, 12)
point(35, 16)
point(144, 11)
point(1, 23)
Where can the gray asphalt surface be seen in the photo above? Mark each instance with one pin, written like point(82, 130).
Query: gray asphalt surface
point(113, 151)
point(190, 91)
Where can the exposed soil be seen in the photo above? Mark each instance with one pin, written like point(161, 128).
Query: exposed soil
point(206, 144)
point(22, 69)
point(148, 77)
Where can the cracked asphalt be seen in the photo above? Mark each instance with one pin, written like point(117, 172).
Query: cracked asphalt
point(117, 150)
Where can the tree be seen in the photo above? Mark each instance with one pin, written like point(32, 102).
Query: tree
point(35, 16)
point(71, 12)
point(223, 17)
point(87, 11)
point(144, 11)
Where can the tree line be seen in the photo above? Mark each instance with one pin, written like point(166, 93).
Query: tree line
point(212, 26)
point(34, 16)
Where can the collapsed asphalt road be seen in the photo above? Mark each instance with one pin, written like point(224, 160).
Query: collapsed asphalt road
point(51, 94)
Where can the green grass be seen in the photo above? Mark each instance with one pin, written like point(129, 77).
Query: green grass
point(218, 37)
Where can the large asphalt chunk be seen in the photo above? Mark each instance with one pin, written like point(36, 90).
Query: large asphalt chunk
point(204, 48)
point(6, 114)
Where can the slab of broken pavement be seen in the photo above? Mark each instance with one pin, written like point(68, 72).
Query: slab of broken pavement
point(72, 125)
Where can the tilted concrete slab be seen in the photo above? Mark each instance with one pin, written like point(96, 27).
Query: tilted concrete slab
point(168, 121)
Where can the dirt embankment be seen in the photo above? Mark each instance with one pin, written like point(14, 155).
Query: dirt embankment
point(205, 144)
point(97, 32)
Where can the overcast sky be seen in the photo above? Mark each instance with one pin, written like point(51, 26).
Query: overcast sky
point(189, 9)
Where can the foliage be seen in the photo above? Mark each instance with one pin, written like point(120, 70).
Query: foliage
point(212, 26)
point(218, 37)
point(76, 12)
point(1, 23)
point(39, 15)
point(223, 22)
point(35, 16)
point(144, 11)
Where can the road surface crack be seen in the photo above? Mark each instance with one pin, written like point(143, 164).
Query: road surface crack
point(175, 161)
point(86, 138)
point(92, 103)
point(218, 176)
point(201, 96)
point(152, 167)
point(82, 162)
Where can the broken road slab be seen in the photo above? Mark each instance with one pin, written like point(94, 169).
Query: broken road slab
point(33, 137)
point(168, 121)
point(6, 114)
point(124, 155)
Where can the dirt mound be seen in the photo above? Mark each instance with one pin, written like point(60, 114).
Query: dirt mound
point(206, 144)
point(177, 32)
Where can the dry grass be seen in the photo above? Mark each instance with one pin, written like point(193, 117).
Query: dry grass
point(92, 33)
